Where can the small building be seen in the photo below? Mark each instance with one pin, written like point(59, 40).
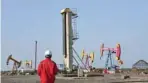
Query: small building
point(141, 64)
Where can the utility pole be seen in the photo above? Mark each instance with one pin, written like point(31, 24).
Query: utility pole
point(35, 54)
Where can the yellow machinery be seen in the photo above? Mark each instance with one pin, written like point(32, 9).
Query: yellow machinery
point(28, 64)
point(16, 64)
point(87, 58)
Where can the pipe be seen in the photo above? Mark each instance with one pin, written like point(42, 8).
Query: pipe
point(27, 70)
point(35, 54)
point(80, 59)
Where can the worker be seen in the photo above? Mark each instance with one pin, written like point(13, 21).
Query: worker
point(47, 69)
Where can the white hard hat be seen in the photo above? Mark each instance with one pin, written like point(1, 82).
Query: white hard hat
point(48, 53)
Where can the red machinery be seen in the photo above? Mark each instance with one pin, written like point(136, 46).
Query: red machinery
point(116, 51)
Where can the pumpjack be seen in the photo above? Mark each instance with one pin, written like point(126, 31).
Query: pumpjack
point(16, 64)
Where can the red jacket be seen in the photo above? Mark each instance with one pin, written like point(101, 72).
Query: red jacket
point(47, 70)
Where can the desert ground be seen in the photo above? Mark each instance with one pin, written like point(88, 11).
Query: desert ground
point(105, 79)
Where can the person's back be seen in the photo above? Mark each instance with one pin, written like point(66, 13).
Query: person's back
point(47, 70)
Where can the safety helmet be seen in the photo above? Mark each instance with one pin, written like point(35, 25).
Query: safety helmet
point(48, 54)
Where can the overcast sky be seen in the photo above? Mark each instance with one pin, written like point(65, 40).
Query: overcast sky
point(99, 21)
